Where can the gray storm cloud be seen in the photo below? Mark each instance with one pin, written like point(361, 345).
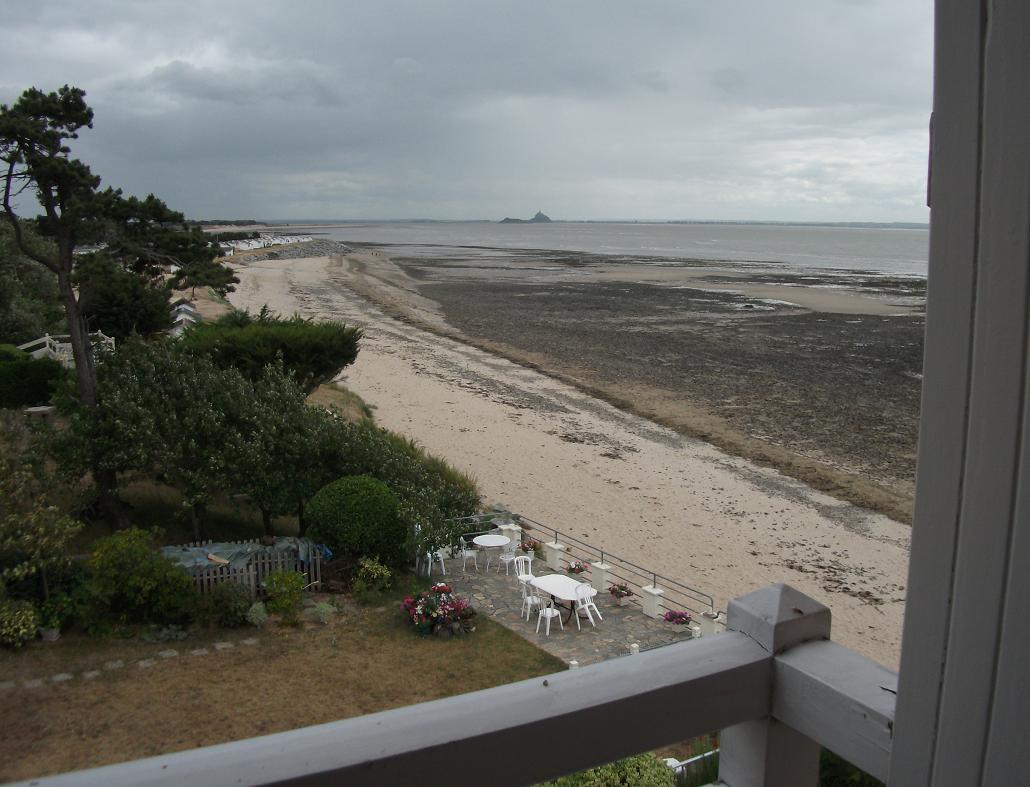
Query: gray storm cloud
point(667, 110)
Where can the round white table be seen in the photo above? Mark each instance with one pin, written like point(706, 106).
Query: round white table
point(491, 541)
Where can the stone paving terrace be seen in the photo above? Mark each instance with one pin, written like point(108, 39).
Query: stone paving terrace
point(498, 597)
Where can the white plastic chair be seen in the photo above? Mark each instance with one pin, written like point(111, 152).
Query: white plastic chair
point(523, 569)
point(467, 554)
point(585, 600)
point(507, 557)
point(430, 557)
point(547, 613)
point(530, 599)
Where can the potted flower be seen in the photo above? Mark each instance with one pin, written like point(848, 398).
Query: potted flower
point(530, 545)
point(577, 567)
point(52, 615)
point(620, 592)
point(677, 617)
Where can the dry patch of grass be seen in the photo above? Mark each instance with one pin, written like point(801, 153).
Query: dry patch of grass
point(348, 404)
point(368, 659)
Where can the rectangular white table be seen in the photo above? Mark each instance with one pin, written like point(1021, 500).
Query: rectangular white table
point(561, 586)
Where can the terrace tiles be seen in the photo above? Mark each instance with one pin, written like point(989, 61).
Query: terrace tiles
point(497, 597)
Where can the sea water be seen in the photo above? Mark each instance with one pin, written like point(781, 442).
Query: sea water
point(895, 251)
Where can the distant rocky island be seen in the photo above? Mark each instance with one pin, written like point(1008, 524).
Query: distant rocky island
point(539, 218)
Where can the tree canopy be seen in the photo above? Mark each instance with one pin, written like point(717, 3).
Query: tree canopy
point(118, 301)
point(141, 234)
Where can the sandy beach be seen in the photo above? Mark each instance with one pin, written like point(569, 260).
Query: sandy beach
point(572, 461)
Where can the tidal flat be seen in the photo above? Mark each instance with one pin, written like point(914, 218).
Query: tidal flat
point(816, 373)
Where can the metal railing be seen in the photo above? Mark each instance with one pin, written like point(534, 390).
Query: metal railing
point(678, 595)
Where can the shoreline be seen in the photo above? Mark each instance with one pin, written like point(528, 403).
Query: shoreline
point(620, 481)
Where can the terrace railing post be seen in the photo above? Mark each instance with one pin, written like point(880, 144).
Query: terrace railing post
point(553, 552)
point(767, 752)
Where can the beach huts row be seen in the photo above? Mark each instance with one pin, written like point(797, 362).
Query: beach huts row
point(230, 247)
point(184, 314)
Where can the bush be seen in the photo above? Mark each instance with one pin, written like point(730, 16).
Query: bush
point(372, 577)
point(285, 591)
point(226, 605)
point(359, 515)
point(134, 584)
point(429, 489)
point(18, 623)
point(323, 611)
point(8, 352)
point(313, 352)
point(28, 383)
point(642, 770)
point(257, 615)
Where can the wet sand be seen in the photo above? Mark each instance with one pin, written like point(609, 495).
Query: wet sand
point(568, 459)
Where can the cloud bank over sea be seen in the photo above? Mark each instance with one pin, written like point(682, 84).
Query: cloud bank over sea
point(809, 110)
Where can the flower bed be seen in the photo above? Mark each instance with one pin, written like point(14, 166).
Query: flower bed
point(438, 611)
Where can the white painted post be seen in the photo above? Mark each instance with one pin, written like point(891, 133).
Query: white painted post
point(651, 598)
point(708, 623)
point(599, 576)
point(767, 752)
point(634, 649)
point(573, 664)
point(552, 553)
point(512, 531)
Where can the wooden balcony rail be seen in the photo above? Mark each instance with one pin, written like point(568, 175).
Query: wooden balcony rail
point(775, 687)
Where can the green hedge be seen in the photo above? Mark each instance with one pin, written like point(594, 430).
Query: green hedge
point(427, 486)
point(359, 516)
point(643, 770)
point(28, 383)
point(313, 352)
point(8, 352)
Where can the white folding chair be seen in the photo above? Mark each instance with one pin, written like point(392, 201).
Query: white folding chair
point(585, 600)
point(547, 613)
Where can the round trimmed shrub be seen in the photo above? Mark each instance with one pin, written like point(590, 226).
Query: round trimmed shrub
point(359, 516)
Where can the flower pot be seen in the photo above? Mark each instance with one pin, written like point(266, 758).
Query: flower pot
point(49, 635)
point(622, 601)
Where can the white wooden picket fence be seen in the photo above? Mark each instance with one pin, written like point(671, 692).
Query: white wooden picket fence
point(259, 566)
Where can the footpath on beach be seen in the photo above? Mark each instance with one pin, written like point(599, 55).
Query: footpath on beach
point(621, 482)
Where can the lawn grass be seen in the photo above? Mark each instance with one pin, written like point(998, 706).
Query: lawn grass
point(367, 659)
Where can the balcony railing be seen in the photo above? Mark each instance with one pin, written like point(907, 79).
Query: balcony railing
point(772, 683)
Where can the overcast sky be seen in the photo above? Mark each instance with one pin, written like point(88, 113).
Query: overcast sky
point(787, 110)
